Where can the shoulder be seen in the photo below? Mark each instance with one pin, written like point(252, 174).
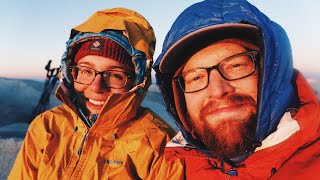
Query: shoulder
point(61, 110)
point(304, 163)
point(152, 122)
point(58, 115)
point(148, 130)
point(58, 111)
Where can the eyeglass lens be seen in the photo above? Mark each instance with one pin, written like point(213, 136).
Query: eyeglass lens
point(231, 68)
point(112, 78)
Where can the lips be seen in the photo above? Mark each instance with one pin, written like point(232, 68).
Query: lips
point(234, 106)
point(96, 103)
point(222, 109)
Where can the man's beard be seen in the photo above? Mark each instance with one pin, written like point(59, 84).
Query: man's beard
point(228, 138)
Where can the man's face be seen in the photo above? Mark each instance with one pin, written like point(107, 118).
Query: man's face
point(222, 114)
point(93, 96)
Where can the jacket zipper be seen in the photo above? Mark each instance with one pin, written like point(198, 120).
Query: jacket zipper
point(231, 172)
point(82, 143)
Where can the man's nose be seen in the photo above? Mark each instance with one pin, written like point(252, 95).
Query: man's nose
point(218, 87)
point(98, 85)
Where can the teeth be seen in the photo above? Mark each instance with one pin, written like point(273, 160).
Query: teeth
point(98, 103)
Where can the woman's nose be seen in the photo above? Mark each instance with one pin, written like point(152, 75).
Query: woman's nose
point(98, 84)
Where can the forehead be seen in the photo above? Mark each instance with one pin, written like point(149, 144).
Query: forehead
point(213, 54)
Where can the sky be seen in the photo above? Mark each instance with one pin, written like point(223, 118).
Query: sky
point(35, 31)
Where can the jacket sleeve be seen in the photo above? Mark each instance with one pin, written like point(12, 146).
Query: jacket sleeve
point(167, 169)
point(165, 164)
point(27, 163)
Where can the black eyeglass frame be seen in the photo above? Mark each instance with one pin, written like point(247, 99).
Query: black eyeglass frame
point(102, 75)
point(253, 54)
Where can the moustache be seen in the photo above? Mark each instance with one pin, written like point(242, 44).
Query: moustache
point(230, 100)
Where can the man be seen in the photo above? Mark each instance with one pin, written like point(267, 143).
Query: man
point(101, 131)
point(226, 76)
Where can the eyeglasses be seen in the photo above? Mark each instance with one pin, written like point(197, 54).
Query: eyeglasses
point(113, 78)
point(235, 67)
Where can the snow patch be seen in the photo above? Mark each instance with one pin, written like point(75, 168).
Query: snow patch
point(9, 149)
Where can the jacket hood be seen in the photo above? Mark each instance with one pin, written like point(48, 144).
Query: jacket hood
point(135, 26)
point(130, 30)
point(276, 92)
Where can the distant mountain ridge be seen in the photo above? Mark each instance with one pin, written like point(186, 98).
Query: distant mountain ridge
point(19, 98)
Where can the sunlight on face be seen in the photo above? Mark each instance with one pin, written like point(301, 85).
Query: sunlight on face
point(222, 102)
point(93, 96)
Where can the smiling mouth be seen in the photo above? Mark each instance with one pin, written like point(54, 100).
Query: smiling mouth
point(224, 109)
point(227, 112)
point(96, 103)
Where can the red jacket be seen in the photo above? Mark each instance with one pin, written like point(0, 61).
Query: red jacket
point(295, 157)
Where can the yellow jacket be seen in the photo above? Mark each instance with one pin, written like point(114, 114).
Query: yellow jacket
point(59, 146)
point(125, 142)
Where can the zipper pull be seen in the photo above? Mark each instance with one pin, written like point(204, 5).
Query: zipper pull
point(232, 172)
point(79, 151)
point(81, 145)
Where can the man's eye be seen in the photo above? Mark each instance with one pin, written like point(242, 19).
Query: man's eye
point(238, 63)
point(193, 79)
point(238, 66)
point(196, 78)
point(235, 66)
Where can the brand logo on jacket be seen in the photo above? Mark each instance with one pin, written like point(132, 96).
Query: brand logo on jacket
point(115, 162)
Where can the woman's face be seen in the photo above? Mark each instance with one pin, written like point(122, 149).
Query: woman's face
point(94, 95)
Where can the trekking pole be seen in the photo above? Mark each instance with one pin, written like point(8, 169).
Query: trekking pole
point(51, 79)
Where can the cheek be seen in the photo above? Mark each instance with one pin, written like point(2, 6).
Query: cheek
point(194, 103)
point(253, 85)
point(118, 91)
point(79, 87)
point(248, 86)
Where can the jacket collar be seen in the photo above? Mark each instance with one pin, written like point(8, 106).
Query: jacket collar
point(117, 110)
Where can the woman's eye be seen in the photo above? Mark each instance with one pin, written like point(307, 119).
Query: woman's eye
point(85, 72)
point(114, 75)
point(118, 76)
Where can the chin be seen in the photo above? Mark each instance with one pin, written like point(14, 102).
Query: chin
point(228, 138)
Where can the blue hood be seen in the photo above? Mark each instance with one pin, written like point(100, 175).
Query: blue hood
point(276, 92)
